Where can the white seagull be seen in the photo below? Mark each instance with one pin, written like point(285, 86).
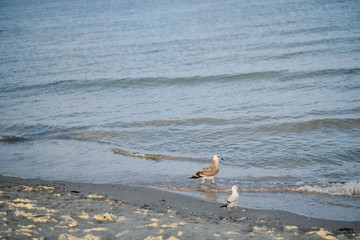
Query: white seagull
point(232, 199)
point(210, 171)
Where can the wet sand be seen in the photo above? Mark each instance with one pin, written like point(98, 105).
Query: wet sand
point(38, 209)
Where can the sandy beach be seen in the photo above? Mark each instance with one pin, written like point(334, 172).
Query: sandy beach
point(38, 209)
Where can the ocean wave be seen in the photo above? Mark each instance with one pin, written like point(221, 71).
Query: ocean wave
point(108, 83)
point(43, 87)
point(350, 189)
point(12, 139)
point(290, 126)
point(111, 131)
point(153, 156)
point(347, 189)
point(329, 123)
point(171, 122)
point(90, 85)
point(36, 131)
point(321, 73)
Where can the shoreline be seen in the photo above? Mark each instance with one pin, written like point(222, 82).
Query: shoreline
point(249, 221)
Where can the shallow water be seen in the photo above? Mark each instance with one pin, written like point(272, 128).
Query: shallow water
point(145, 92)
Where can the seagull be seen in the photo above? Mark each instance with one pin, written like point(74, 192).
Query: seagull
point(232, 199)
point(210, 171)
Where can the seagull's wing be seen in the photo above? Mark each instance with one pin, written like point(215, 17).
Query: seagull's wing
point(232, 198)
point(210, 170)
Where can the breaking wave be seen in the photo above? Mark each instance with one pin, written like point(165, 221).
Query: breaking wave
point(350, 189)
point(346, 189)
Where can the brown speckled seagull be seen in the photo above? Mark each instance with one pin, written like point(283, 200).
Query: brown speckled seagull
point(210, 171)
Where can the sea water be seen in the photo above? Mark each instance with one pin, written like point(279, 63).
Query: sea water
point(145, 92)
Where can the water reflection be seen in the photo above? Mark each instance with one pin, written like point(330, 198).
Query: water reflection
point(209, 196)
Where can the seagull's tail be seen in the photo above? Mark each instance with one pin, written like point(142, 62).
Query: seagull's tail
point(193, 177)
point(224, 205)
point(196, 175)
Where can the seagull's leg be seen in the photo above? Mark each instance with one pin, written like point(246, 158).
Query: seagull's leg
point(236, 208)
point(229, 210)
point(213, 181)
point(203, 181)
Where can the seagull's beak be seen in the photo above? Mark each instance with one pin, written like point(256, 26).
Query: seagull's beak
point(221, 158)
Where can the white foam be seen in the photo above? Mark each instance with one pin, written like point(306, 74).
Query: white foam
point(351, 188)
